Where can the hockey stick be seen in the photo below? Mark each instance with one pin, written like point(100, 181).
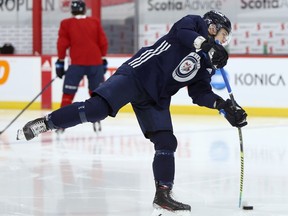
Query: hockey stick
point(239, 132)
point(45, 87)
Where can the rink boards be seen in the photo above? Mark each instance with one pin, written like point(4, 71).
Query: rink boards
point(258, 84)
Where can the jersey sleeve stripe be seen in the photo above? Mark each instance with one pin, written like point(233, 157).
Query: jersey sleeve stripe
point(149, 54)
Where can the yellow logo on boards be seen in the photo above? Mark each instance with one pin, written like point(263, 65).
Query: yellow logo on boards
point(4, 71)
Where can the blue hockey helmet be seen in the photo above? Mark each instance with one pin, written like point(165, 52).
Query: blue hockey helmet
point(218, 19)
point(78, 7)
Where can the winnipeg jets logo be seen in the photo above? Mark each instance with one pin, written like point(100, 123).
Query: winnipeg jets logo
point(188, 68)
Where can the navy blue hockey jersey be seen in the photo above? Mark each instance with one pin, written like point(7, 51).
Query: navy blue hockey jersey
point(172, 63)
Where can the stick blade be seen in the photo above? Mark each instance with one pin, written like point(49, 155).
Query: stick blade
point(248, 207)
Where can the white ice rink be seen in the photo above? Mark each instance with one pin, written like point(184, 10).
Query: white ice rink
point(109, 174)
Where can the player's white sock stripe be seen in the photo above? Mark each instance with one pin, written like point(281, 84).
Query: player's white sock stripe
point(149, 54)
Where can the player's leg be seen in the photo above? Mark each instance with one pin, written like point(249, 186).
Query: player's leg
point(106, 101)
point(91, 110)
point(95, 76)
point(156, 125)
point(72, 78)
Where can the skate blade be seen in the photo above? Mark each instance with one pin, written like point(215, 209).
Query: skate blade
point(164, 212)
point(20, 135)
point(97, 127)
point(94, 127)
point(59, 131)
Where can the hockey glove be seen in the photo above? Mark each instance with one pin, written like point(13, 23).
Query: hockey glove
point(105, 65)
point(235, 116)
point(59, 65)
point(217, 53)
point(219, 57)
point(207, 45)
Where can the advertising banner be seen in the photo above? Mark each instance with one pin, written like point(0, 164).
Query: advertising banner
point(258, 26)
point(256, 82)
point(259, 82)
point(20, 11)
point(20, 78)
point(169, 11)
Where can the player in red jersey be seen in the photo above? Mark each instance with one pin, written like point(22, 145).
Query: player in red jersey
point(87, 43)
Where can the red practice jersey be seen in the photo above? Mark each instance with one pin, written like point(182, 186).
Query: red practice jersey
point(85, 39)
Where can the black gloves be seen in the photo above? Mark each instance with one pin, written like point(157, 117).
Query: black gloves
point(236, 117)
point(59, 65)
point(217, 53)
point(105, 65)
point(207, 45)
point(220, 56)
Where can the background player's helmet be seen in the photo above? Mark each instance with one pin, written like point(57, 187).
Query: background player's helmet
point(218, 19)
point(78, 7)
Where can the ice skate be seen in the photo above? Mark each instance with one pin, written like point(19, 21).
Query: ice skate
point(165, 205)
point(32, 129)
point(97, 126)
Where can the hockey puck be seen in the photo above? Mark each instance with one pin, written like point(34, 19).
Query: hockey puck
point(248, 207)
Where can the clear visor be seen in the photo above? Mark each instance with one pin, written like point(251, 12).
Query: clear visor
point(222, 35)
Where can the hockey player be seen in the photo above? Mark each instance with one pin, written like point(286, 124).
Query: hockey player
point(186, 56)
point(87, 44)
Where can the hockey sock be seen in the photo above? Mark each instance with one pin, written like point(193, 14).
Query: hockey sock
point(67, 99)
point(165, 144)
point(92, 110)
point(164, 167)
